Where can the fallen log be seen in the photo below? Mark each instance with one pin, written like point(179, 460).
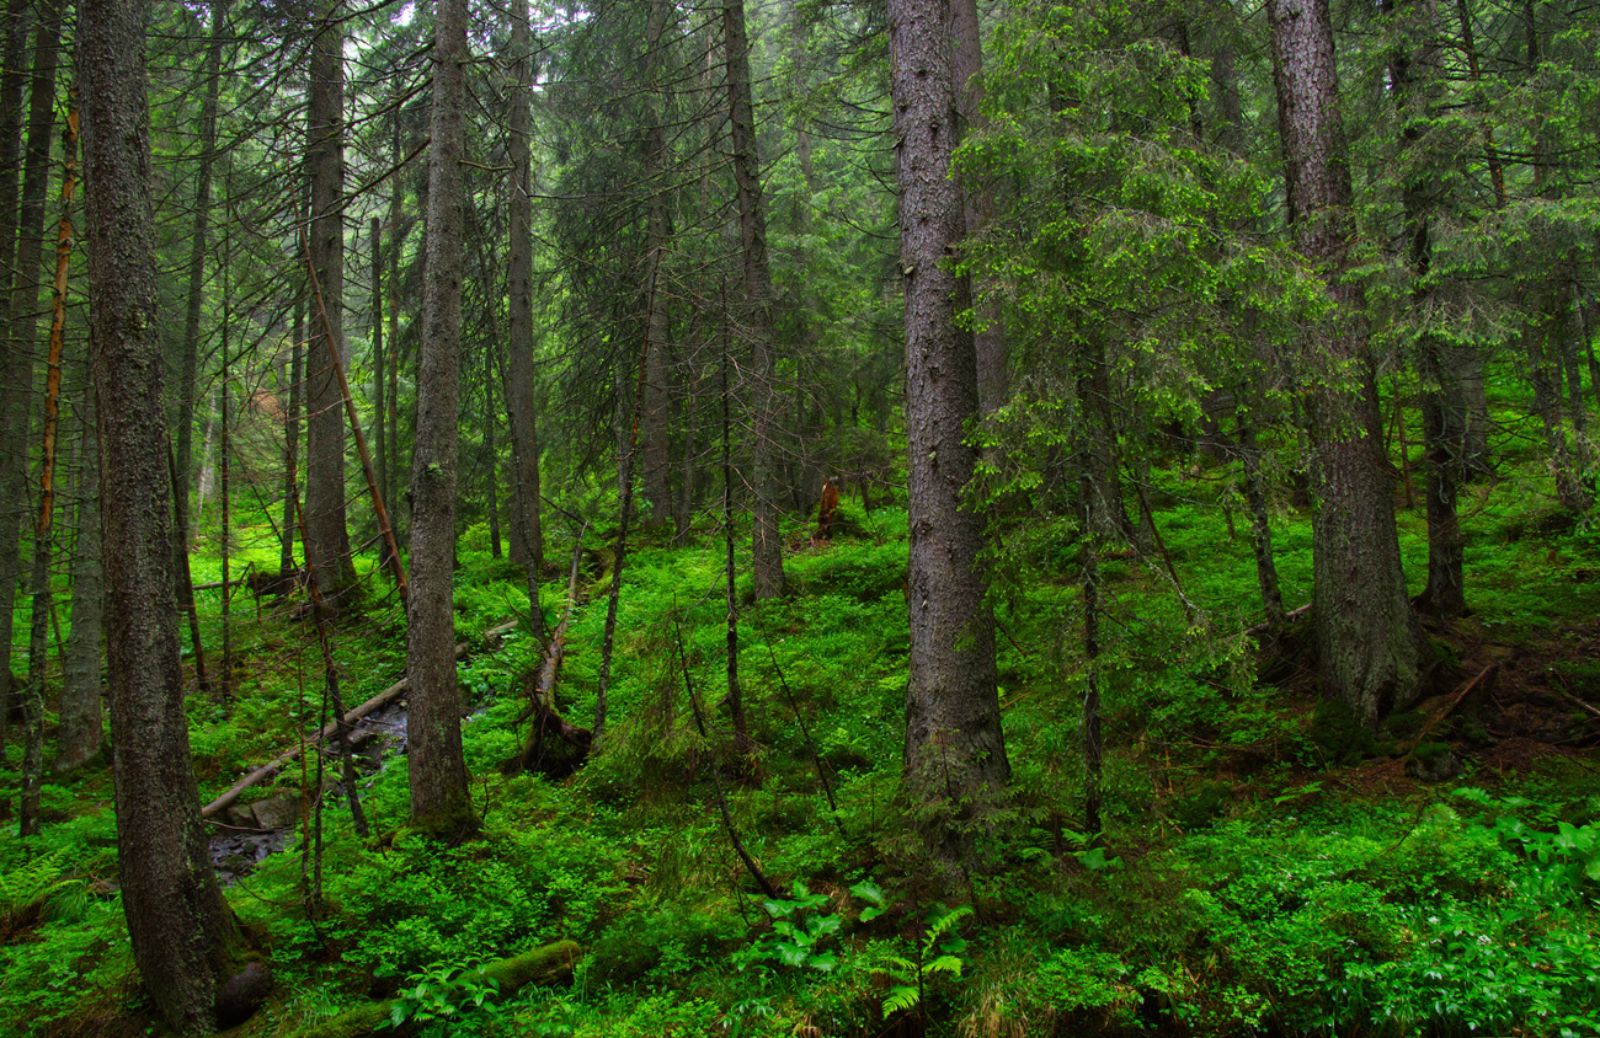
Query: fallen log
point(550, 964)
point(547, 719)
point(382, 699)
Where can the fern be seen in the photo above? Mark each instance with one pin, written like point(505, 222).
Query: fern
point(938, 954)
point(39, 885)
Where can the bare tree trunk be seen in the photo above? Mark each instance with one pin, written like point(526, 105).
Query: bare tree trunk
point(44, 531)
point(199, 233)
point(397, 235)
point(440, 803)
point(1090, 581)
point(527, 536)
point(954, 750)
point(380, 413)
point(182, 934)
point(1414, 71)
point(24, 303)
point(1107, 509)
point(329, 543)
point(291, 436)
point(1255, 496)
point(225, 675)
point(756, 311)
point(492, 449)
point(80, 735)
point(17, 369)
point(989, 343)
point(655, 404)
point(1366, 635)
point(741, 728)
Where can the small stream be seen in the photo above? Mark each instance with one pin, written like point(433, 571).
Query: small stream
point(247, 833)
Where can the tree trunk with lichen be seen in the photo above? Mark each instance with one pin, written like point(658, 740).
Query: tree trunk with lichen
point(181, 932)
point(954, 751)
point(439, 800)
point(1365, 633)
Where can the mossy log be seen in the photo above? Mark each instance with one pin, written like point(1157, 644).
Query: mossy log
point(550, 964)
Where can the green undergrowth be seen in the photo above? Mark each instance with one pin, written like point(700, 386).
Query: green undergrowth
point(1253, 876)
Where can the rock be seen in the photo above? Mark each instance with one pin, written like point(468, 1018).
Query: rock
point(1433, 762)
point(275, 812)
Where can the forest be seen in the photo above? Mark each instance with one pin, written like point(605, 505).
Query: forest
point(816, 518)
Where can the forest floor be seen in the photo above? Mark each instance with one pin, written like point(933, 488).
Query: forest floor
point(1265, 867)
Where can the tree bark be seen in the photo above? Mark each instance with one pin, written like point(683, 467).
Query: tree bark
point(527, 535)
point(1255, 496)
point(179, 927)
point(655, 404)
point(1365, 633)
point(80, 735)
point(380, 411)
point(397, 239)
point(1413, 71)
point(17, 369)
point(989, 343)
point(44, 530)
point(954, 747)
point(328, 546)
point(439, 800)
point(291, 436)
point(756, 310)
point(199, 233)
point(23, 303)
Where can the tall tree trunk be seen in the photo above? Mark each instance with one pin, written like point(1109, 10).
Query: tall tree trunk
point(291, 435)
point(1470, 362)
point(527, 537)
point(199, 233)
point(44, 530)
point(1107, 510)
point(989, 341)
point(741, 728)
point(490, 447)
point(655, 404)
point(439, 800)
point(380, 412)
point(1366, 635)
point(397, 238)
point(954, 748)
point(1255, 497)
point(1413, 71)
point(756, 309)
point(16, 367)
point(1089, 581)
point(225, 549)
point(81, 732)
point(1549, 304)
point(23, 303)
point(180, 929)
point(329, 543)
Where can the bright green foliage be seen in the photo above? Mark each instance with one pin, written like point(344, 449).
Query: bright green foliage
point(442, 993)
point(937, 954)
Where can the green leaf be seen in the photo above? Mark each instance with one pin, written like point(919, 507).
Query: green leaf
point(900, 997)
point(870, 892)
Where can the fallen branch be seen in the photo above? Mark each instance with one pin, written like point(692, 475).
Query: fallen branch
point(550, 964)
point(1449, 708)
point(1289, 617)
point(382, 699)
point(542, 695)
point(1565, 692)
